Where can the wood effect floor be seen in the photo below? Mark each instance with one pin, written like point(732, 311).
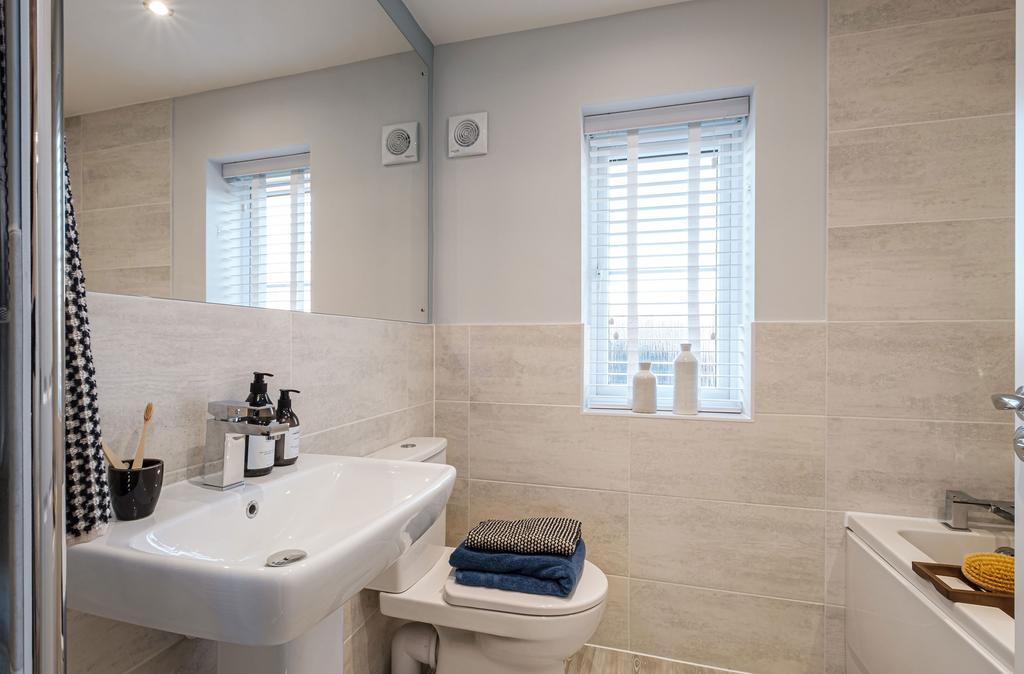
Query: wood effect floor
point(592, 660)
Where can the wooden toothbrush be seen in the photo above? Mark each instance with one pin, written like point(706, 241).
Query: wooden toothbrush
point(115, 463)
point(141, 450)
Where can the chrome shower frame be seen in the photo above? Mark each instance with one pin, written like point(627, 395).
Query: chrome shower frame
point(32, 344)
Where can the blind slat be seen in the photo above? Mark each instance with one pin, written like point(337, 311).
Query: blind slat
point(666, 238)
point(263, 234)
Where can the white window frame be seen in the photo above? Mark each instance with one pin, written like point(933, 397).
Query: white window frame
point(237, 218)
point(729, 367)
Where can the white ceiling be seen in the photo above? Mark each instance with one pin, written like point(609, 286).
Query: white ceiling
point(116, 52)
point(455, 20)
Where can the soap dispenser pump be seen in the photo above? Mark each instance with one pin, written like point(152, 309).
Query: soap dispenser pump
point(286, 452)
point(259, 449)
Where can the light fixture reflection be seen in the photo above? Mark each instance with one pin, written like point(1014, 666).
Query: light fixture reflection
point(159, 8)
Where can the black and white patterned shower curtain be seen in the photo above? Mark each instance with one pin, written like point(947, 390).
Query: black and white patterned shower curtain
point(88, 497)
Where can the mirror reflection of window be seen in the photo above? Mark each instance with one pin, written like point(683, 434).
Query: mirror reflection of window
point(263, 235)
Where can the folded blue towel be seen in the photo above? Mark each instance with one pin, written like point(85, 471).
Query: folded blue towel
point(534, 574)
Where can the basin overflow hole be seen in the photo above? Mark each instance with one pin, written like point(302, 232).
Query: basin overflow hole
point(251, 509)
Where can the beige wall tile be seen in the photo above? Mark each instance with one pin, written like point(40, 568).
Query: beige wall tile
point(360, 438)
point(613, 631)
point(722, 629)
point(764, 550)
point(144, 281)
point(457, 513)
point(348, 368)
point(923, 72)
point(603, 513)
point(451, 421)
point(921, 271)
point(835, 640)
point(905, 467)
point(419, 363)
point(789, 368)
point(126, 176)
point(451, 351)
point(777, 460)
point(930, 370)
point(73, 134)
point(835, 558)
point(366, 651)
point(180, 356)
point(188, 656)
point(548, 445)
point(847, 16)
point(358, 610)
point(75, 171)
point(129, 125)
point(953, 170)
point(539, 364)
point(134, 236)
point(92, 641)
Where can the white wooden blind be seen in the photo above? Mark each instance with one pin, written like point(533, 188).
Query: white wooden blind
point(264, 232)
point(668, 220)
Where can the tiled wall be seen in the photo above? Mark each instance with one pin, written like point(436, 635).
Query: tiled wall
point(120, 167)
point(920, 257)
point(723, 540)
point(712, 532)
point(364, 383)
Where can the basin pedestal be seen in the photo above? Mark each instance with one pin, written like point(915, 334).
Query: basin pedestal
point(318, 651)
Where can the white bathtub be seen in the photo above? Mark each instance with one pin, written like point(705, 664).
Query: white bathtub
point(897, 622)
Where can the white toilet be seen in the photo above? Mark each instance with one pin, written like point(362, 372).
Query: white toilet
point(471, 630)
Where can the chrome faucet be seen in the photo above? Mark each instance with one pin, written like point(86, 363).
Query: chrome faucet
point(958, 506)
point(224, 456)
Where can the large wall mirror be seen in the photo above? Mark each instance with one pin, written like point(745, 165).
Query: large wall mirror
point(250, 152)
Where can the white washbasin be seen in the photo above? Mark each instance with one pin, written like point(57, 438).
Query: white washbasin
point(198, 565)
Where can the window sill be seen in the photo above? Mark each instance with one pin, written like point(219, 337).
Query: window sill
point(700, 416)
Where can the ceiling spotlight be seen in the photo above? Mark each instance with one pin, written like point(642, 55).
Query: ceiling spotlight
point(158, 8)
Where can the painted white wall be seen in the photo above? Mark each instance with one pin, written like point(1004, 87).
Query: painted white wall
point(508, 225)
point(369, 221)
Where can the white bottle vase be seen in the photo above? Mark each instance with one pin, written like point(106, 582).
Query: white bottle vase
point(686, 381)
point(645, 390)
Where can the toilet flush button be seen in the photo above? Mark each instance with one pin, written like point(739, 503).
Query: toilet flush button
point(285, 557)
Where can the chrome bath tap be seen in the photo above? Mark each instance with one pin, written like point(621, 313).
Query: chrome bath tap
point(958, 505)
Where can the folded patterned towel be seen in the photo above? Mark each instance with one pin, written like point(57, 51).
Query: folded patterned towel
point(554, 575)
point(536, 535)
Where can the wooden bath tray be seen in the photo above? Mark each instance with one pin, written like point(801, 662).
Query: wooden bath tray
point(934, 573)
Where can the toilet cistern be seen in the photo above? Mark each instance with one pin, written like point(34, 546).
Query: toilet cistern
point(224, 455)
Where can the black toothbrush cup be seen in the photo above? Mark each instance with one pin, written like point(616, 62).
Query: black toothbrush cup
point(134, 493)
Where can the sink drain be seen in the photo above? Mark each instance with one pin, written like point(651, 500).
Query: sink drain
point(286, 557)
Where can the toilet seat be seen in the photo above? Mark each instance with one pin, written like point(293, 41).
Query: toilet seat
point(590, 591)
point(425, 602)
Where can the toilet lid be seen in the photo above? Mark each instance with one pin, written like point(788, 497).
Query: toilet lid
point(590, 591)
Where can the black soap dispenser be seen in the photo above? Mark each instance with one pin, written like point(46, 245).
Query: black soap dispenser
point(286, 452)
point(259, 449)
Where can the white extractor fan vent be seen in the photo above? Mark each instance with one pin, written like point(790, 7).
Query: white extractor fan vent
point(467, 134)
point(399, 143)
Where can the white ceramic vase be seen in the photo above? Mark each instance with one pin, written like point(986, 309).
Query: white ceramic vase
point(686, 382)
point(645, 390)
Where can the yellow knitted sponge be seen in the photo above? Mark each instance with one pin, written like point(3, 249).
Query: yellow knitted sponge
point(990, 570)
